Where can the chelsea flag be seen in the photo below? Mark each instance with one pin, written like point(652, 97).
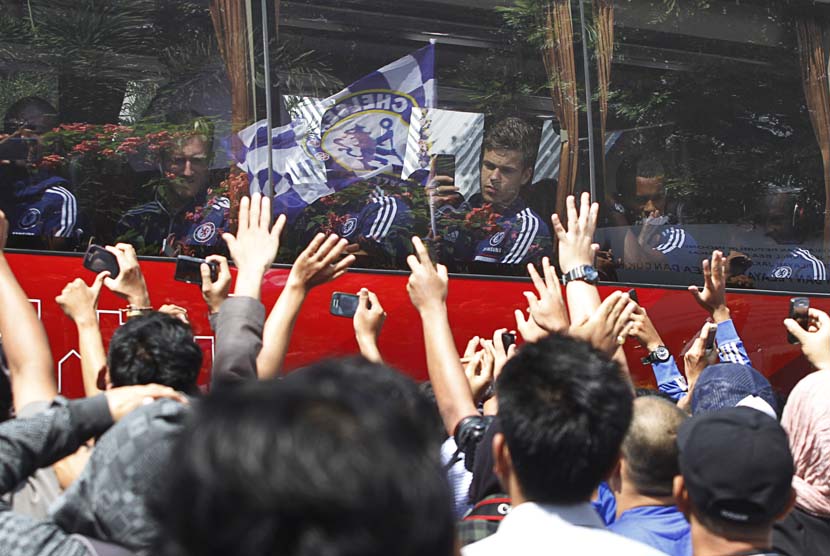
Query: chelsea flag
point(330, 144)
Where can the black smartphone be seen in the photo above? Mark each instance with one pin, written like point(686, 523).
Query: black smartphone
point(632, 295)
point(16, 148)
point(343, 304)
point(97, 259)
point(189, 270)
point(799, 312)
point(507, 339)
point(444, 165)
point(710, 338)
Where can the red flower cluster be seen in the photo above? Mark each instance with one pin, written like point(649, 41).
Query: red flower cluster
point(130, 145)
point(86, 147)
point(483, 218)
point(51, 161)
point(334, 223)
point(76, 127)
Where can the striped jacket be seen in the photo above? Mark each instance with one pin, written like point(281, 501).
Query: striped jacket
point(44, 209)
point(521, 236)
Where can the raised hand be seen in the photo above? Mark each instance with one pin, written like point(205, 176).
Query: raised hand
point(322, 261)
point(548, 309)
point(368, 321)
point(643, 329)
point(215, 293)
point(428, 285)
point(609, 325)
point(575, 243)
point(815, 341)
point(713, 296)
point(255, 245)
point(479, 372)
point(129, 283)
point(527, 327)
point(697, 357)
point(500, 353)
point(80, 301)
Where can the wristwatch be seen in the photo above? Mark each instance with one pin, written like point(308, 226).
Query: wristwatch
point(659, 355)
point(584, 272)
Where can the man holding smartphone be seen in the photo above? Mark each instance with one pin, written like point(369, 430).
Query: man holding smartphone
point(514, 233)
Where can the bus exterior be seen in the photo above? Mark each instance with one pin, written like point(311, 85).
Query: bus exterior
point(695, 127)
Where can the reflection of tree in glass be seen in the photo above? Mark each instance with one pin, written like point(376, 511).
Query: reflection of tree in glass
point(84, 42)
point(725, 128)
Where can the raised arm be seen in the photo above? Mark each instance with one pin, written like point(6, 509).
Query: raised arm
point(238, 326)
point(24, 339)
point(713, 300)
point(694, 361)
point(129, 283)
point(368, 321)
point(576, 251)
point(428, 288)
point(669, 379)
point(322, 261)
point(815, 341)
point(27, 444)
point(80, 302)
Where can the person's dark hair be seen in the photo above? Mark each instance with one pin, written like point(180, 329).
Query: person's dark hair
point(564, 409)
point(154, 348)
point(384, 387)
point(650, 446)
point(650, 167)
point(513, 134)
point(298, 467)
point(632, 168)
point(33, 113)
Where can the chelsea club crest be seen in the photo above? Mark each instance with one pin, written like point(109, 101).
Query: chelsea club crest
point(496, 240)
point(367, 131)
point(29, 219)
point(348, 227)
point(782, 272)
point(204, 232)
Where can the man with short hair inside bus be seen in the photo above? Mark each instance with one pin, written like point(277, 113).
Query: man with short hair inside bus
point(183, 213)
point(513, 233)
point(783, 216)
point(42, 212)
point(653, 233)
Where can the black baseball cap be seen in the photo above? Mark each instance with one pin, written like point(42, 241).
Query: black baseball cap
point(736, 464)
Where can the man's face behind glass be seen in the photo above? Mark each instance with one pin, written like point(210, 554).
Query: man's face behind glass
point(190, 163)
point(503, 174)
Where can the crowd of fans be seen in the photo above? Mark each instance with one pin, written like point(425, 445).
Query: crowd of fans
point(541, 448)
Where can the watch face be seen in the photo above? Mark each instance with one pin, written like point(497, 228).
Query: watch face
point(661, 353)
point(591, 274)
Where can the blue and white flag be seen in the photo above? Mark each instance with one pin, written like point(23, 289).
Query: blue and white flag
point(354, 135)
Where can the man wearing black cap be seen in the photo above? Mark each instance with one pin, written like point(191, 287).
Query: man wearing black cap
point(735, 482)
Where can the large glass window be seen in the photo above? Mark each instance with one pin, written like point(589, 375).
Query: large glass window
point(713, 140)
point(117, 119)
point(146, 122)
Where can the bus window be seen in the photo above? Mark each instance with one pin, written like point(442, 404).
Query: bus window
point(709, 145)
point(117, 123)
point(490, 115)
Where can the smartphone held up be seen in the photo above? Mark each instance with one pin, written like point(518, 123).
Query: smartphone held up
point(189, 270)
point(98, 259)
point(800, 313)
